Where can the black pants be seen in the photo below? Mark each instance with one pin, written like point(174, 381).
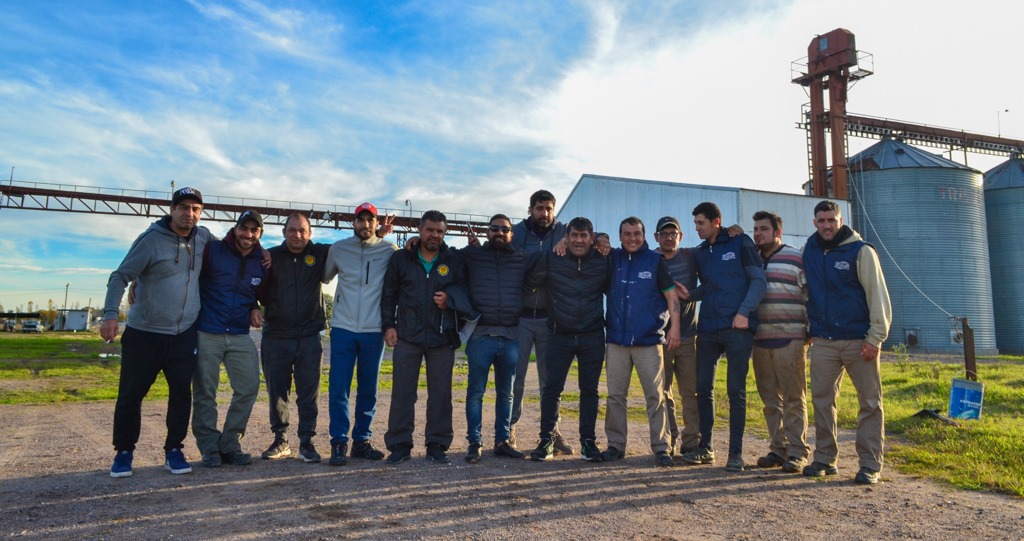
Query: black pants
point(588, 349)
point(405, 375)
point(282, 359)
point(143, 356)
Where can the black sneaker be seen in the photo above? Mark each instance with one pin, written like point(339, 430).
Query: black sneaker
point(591, 452)
point(544, 451)
point(771, 460)
point(437, 454)
point(662, 459)
point(866, 476)
point(308, 453)
point(819, 469)
point(278, 449)
point(339, 452)
point(561, 447)
point(212, 460)
point(399, 453)
point(365, 449)
point(735, 463)
point(237, 458)
point(612, 454)
point(473, 454)
point(506, 448)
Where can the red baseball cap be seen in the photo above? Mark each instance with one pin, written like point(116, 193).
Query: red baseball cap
point(367, 207)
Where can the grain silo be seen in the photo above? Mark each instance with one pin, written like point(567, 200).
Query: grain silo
point(1004, 211)
point(926, 217)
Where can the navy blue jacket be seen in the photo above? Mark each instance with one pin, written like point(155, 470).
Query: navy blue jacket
point(842, 312)
point(732, 281)
point(227, 286)
point(637, 310)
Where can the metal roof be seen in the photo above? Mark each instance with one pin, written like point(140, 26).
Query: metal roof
point(895, 154)
point(1009, 174)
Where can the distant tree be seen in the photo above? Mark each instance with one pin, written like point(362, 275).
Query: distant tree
point(30, 306)
point(76, 306)
point(329, 303)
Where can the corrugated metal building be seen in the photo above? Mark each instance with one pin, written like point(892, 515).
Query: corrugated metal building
point(607, 200)
point(1004, 212)
point(926, 217)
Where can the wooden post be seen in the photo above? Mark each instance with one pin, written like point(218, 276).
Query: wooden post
point(970, 362)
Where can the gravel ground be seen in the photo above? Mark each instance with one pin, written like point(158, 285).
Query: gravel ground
point(54, 479)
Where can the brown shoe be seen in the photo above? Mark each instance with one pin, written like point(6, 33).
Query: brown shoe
point(561, 446)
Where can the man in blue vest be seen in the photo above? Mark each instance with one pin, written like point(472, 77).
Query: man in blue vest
point(642, 301)
point(732, 284)
point(849, 313)
point(232, 272)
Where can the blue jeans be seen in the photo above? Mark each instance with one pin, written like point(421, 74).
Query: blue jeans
point(737, 345)
point(482, 352)
point(362, 353)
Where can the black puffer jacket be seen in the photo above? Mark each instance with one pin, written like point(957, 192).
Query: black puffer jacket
point(407, 301)
point(495, 278)
point(575, 288)
point(292, 295)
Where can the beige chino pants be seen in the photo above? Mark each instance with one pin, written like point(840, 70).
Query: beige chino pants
point(782, 384)
point(620, 361)
point(681, 365)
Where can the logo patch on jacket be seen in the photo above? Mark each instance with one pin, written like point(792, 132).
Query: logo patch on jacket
point(843, 265)
point(256, 281)
point(644, 275)
point(310, 260)
point(728, 256)
point(443, 270)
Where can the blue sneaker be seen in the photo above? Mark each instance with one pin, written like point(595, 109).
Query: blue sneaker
point(176, 462)
point(122, 466)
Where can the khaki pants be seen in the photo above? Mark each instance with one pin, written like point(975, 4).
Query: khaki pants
point(620, 361)
point(829, 358)
point(782, 384)
point(681, 363)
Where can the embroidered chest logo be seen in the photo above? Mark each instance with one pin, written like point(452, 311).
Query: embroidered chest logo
point(728, 256)
point(443, 270)
point(842, 265)
point(256, 281)
point(309, 260)
point(644, 275)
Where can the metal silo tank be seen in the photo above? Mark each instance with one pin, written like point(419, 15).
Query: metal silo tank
point(1004, 211)
point(926, 215)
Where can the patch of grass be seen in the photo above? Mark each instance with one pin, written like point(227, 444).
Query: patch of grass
point(54, 345)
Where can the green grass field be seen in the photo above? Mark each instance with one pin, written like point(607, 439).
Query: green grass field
point(987, 454)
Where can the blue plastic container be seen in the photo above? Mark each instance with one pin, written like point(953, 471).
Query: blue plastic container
point(965, 399)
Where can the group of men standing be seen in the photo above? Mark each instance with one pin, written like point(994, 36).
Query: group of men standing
point(537, 286)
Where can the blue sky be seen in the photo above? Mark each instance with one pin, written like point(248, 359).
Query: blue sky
point(459, 106)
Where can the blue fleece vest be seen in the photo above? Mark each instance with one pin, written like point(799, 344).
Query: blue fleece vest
point(637, 311)
point(227, 289)
point(838, 307)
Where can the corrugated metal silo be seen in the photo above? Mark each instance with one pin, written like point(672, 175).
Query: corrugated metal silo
point(1004, 211)
point(926, 216)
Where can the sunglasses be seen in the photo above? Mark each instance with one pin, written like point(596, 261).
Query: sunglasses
point(501, 228)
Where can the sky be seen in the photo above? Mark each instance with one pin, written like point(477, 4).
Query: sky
point(457, 106)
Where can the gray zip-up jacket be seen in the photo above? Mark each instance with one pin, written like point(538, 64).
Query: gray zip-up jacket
point(165, 267)
point(360, 266)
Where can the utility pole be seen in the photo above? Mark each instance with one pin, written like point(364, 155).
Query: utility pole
point(64, 316)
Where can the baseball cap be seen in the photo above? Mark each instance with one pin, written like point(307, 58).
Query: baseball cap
point(367, 207)
point(667, 221)
point(186, 193)
point(250, 215)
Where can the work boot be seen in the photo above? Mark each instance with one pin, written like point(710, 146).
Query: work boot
point(562, 447)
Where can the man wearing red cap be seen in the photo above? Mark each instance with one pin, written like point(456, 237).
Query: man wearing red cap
point(357, 342)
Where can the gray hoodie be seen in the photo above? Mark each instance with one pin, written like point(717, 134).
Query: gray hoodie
point(360, 266)
point(165, 267)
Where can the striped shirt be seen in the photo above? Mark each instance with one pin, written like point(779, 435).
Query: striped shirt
point(783, 312)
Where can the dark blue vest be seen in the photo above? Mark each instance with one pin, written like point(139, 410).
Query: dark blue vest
point(724, 283)
point(837, 307)
point(637, 311)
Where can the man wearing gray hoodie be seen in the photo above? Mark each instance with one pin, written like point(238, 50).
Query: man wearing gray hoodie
point(160, 335)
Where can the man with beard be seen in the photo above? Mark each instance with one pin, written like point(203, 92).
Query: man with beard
point(780, 348)
point(641, 304)
point(160, 334)
point(494, 274)
point(732, 284)
point(537, 233)
point(419, 323)
point(849, 313)
point(576, 283)
point(357, 343)
point(232, 272)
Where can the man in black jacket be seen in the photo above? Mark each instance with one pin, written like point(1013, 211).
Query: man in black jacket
point(575, 285)
point(419, 323)
point(494, 274)
point(291, 335)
